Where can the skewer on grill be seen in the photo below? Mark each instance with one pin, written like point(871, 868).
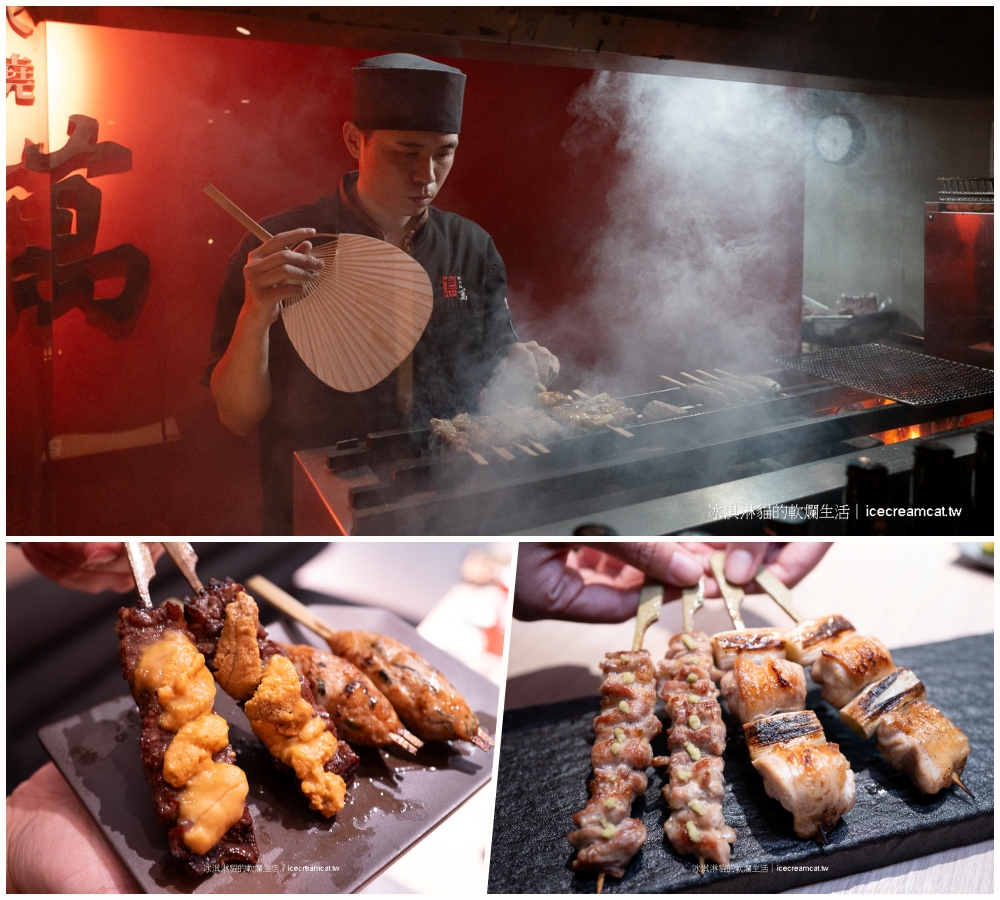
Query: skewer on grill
point(423, 698)
point(804, 772)
point(606, 836)
point(858, 677)
point(197, 789)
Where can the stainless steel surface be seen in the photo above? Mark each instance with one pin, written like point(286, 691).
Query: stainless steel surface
point(901, 375)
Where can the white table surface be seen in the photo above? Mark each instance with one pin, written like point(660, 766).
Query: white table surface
point(905, 592)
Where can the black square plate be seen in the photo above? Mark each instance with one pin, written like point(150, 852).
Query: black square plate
point(394, 800)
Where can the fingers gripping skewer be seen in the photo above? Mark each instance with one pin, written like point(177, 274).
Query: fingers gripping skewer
point(777, 592)
point(732, 595)
point(650, 601)
point(143, 570)
point(184, 557)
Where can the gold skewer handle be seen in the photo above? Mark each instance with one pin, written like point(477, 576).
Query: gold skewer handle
point(732, 595)
point(650, 601)
point(777, 592)
point(184, 557)
point(141, 561)
point(692, 599)
point(291, 607)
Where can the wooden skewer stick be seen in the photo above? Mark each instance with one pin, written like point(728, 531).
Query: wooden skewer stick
point(143, 570)
point(541, 448)
point(701, 865)
point(709, 375)
point(184, 557)
point(527, 450)
point(249, 224)
point(956, 780)
point(688, 375)
point(730, 374)
point(650, 601)
point(621, 431)
point(581, 394)
point(410, 743)
point(502, 453)
point(600, 882)
point(482, 740)
point(673, 381)
point(777, 592)
point(541, 388)
point(479, 459)
point(732, 595)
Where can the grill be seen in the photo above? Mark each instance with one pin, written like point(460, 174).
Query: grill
point(900, 375)
point(965, 190)
point(398, 483)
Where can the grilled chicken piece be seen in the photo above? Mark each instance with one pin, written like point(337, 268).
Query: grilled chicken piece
point(846, 666)
point(804, 642)
point(814, 782)
point(755, 691)
point(767, 387)
point(657, 411)
point(708, 397)
point(763, 735)
point(754, 644)
point(552, 399)
point(923, 742)
point(358, 709)
point(422, 697)
point(864, 713)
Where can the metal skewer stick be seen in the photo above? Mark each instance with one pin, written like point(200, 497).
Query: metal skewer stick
point(184, 557)
point(732, 595)
point(143, 570)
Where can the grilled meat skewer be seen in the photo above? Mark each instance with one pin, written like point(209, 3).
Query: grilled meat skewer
point(255, 671)
point(198, 791)
point(607, 837)
point(358, 709)
point(697, 739)
point(875, 698)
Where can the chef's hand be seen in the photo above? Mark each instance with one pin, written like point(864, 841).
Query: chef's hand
point(53, 845)
point(597, 582)
point(538, 363)
point(790, 562)
point(92, 567)
point(274, 270)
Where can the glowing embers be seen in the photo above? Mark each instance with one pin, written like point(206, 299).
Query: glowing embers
point(925, 429)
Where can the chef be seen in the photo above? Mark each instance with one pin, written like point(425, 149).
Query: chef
point(404, 134)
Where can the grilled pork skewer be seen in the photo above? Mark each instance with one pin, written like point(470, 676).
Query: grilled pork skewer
point(697, 739)
point(875, 698)
point(358, 709)
point(255, 671)
point(198, 791)
point(423, 698)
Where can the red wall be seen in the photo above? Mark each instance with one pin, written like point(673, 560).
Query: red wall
point(543, 207)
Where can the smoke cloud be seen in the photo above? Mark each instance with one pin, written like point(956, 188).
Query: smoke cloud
point(699, 263)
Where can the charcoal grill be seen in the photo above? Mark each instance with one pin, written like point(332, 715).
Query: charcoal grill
point(397, 482)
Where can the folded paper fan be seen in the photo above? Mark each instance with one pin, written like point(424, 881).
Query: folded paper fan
point(363, 317)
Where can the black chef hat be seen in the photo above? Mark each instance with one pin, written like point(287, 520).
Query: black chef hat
point(403, 92)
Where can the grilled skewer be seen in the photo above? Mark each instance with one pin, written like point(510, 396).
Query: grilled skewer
point(256, 672)
point(810, 778)
point(697, 739)
point(423, 698)
point(197, 789)
point(359, 710)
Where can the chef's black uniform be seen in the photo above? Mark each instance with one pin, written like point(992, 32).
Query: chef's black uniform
point(468, 334)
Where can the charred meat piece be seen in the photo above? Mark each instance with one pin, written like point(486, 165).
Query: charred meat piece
point(923, 742)
point(763, 735)
point(697, 739)
point(606, 837)
point(423, 698)
point(846, 666)
point(754, 644)
point(198, 791)
point(755, 691)
point(357, 707)
point(297, 731)
point(804, 642)
point(552, 399)
point(864, 713)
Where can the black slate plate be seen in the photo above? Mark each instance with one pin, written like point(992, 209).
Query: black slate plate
point(545, 768)
point(394, 800)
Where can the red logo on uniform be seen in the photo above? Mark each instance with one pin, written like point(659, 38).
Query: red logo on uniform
point(449, 285)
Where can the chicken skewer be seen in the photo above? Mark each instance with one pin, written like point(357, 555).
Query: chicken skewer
point(197, 789)
point(425, 701)
point(256, 672)
point(878, 699)
point(606, 836)
point(697, 739)
point(807, 775)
